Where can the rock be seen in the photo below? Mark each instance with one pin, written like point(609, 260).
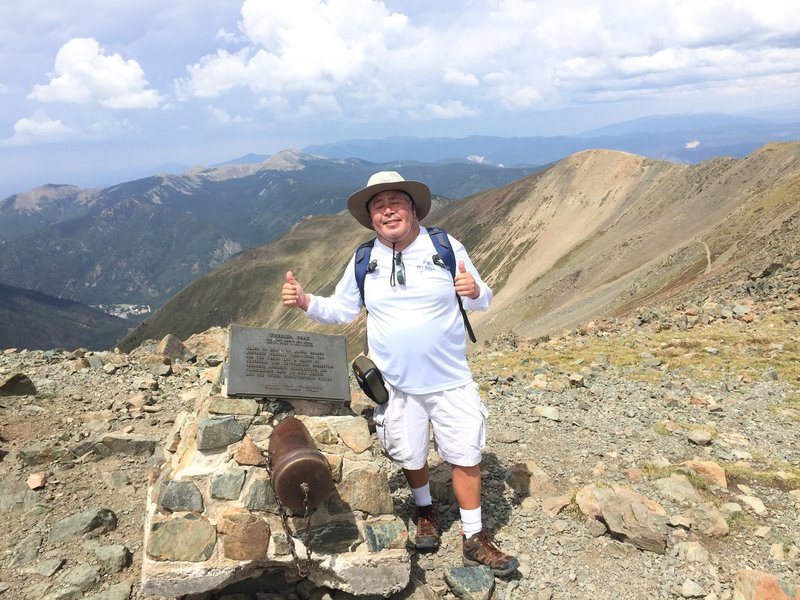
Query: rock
point(678, 488)
point(18, 384)
point(114, 557)
point(708, 470)
point(43, 452)
point(690, 589)
point(180, 496)
point(548, 412)
point(93, 521)
point(170, 346)
point(189, 538)
point(16, 496)
point(627, 515)
point(248, 454)
point(753, 503)
point(119, 591)
point(470, 583)
point(220, 405)
point(708, 520)
point(83, 577)
point(386, 534)
point(353, 431)
point(749, 584)
point(692, 552)
point(219, 432)
point(527, 479)
point(129, 444)
point(27, 549)
point(553, 505)
point(244, 535)
point(36, 481)
point(699, 437)
point(363, 487)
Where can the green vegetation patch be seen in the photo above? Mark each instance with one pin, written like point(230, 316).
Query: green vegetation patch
point(726, 348)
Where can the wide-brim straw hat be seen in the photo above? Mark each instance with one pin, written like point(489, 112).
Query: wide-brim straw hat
point(388, 180)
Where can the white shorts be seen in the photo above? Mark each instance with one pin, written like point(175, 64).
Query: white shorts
point(458, 418)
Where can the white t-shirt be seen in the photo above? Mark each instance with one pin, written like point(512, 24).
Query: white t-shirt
point(415, 331)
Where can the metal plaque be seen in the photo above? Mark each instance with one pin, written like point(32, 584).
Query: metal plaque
point(287, 364)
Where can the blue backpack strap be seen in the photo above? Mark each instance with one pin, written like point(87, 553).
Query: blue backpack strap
point(443, 248)
point(445, 251)
point(361, 265)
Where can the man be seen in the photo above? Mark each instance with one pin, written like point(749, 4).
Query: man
point(416, 337)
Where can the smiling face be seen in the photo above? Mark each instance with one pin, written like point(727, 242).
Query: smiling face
point(393, 217)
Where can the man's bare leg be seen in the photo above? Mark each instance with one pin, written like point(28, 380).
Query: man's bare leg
point(467, 486)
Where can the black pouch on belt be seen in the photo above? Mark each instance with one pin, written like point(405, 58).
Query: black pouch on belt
point(369, 379)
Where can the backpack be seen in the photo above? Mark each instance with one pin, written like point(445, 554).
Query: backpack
point(444, 257)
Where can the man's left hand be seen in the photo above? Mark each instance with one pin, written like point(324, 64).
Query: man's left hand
point(466, 286)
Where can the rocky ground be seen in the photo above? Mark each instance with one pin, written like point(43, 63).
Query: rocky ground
point(657, 405)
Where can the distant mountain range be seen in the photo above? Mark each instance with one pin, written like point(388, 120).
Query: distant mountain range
point(143, 241)
point(596, 235)
point(688, 138)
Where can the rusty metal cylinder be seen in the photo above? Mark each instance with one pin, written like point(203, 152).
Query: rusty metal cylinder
point(295, 461)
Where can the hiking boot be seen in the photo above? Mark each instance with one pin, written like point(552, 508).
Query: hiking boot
point(426, 538)
point(481, 549)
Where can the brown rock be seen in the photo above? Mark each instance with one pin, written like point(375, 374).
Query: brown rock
point(553, 505)
point(708, 470)
point(757, 585)
point(527, 479)
point(249, 454)
point(175, 349)
point(36, 481)
point(244, 535)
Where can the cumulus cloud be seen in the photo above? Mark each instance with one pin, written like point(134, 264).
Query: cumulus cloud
point(306, 45)
point(458, 77)
point(85, 74)
point(221, 117)
point(514, 54)
point(37, 129)
point(361, 60)
point(451, 109)
point(320, 105)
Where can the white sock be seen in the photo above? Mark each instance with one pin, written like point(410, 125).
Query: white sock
point(422, 495)
point(471, 521)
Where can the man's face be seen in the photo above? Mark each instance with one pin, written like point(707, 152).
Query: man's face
point(392, 214)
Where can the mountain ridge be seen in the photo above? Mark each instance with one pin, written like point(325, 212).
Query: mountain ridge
point(142, 241)
point(688, 138)
point(35, 321)
point(598, 233)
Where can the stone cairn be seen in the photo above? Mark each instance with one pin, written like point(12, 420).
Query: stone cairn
point(213, 519)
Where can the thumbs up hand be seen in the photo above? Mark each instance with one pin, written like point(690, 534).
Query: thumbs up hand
point(465, 282)
point(292, 293)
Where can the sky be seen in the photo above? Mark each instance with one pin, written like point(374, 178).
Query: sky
point(95, 92)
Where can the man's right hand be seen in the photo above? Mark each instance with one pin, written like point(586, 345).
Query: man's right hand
point(292, 293)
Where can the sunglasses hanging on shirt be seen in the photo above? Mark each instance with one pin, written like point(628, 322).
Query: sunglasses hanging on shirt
point(398, 269)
